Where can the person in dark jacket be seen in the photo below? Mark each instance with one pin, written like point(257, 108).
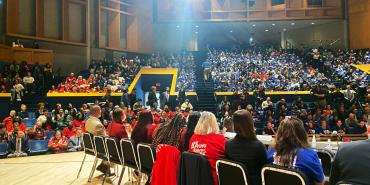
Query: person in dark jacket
point(18, 146)
point(152, 97)
point(245, 148)
point(347, 170)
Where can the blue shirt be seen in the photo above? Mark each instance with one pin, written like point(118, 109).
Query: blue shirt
point(307, 162)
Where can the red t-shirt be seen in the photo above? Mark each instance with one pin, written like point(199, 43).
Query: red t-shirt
point(212, 146)
point(68, 133)
point(151, 128)
point(116, 130)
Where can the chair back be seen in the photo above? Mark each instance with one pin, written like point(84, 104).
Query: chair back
point(194, 168)
point(50, 134)
point(32, 115)
point(326, 160)
point(114, 153)
point(230, 172)
point(3, 149)
point(146, 157)
point(29, 122)
point(129, 153)
point(100, 150)
point(38, 146)
point(277, 175)
point(88, 144)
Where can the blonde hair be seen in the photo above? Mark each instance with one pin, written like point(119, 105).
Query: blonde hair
point(207, 124)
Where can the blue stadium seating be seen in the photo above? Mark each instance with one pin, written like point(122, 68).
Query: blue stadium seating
point(3, 149)
point(30, 122)
point(31, 115)
point(38, 146)
point(50, 134)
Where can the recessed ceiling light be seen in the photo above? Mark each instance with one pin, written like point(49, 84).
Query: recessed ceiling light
point(284, 29)
point(196, 26)
point(196, 32)
point(266, 30)
point(178, 26)
point(254, 25)
point(273, 24)
point(292, 23)
point(231, 31)
point(312, 23)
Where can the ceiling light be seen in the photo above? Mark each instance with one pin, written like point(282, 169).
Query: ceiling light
point(273, 24)
point(292, 23)
point(266, 30)
point(178, 26)
point(284, 29)
point(196, 26)
point(254, 25)
point(312, 23)
point(231, 31)
point(196, 32)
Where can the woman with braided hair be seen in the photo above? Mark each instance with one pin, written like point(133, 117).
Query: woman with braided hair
point(169, 133)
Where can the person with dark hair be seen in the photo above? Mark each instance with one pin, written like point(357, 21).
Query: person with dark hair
point(152, 97)
point(143, 131)
point(245, 148)
point(292, 151)
point(116, 129)
point(3, 134)
point(170, 133)
point(58, 143)
point(18, 146)
point(189, 130)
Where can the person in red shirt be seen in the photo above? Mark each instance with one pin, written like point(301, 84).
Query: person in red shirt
point(16, 123)
point(58, 143)
point(117, 129)
point(169, 133)
point(69, 131)
point(143, 131)
point(8, 121)
point(206, 141)
point(71, 78)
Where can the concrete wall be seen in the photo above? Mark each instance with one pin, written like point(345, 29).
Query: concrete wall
point(329, 35)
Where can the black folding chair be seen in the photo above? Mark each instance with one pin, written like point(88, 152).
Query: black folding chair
point(128, 155)
point(230, 172)
point(100, 153)
point(146, 159)
point(277, 175)
point(88, 147)
point(114, 152)
point(326, 160)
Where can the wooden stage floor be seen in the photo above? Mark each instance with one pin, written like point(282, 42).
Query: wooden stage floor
point(53, 169)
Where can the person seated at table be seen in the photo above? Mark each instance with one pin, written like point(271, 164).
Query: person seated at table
point(75, 142)
point(23, 113)
point(37, 132)
point(340, 127)
point(360, 128)
point(292, 151)
point(3, 134)
point(58, 143)
point(351, 164)
point(255, 156)
point(117, 129)
point(170, 133)
point(323, 128)
point(206, 141)
point(18, 145)
point(269, 129)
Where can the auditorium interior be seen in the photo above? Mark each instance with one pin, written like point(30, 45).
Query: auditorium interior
point(185, 92)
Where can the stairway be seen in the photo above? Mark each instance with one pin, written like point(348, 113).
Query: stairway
point(205, 89)
point(206, 98)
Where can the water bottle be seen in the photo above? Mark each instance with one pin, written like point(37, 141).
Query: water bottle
point(329, 146)
point(313, 143)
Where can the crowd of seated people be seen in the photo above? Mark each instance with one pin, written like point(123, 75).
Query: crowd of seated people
point(21, 79)
point(118, 74)
point(284, 70)
point(192, 131)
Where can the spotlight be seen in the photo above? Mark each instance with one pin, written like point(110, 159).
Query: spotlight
point(312, 23)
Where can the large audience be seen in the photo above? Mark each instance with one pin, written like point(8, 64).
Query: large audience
point(117, 75)
point(23, 79)
point(284, 70)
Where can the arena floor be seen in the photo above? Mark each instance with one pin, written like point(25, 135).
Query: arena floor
point(54, 169)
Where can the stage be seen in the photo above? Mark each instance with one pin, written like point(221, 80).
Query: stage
point(53, 169)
